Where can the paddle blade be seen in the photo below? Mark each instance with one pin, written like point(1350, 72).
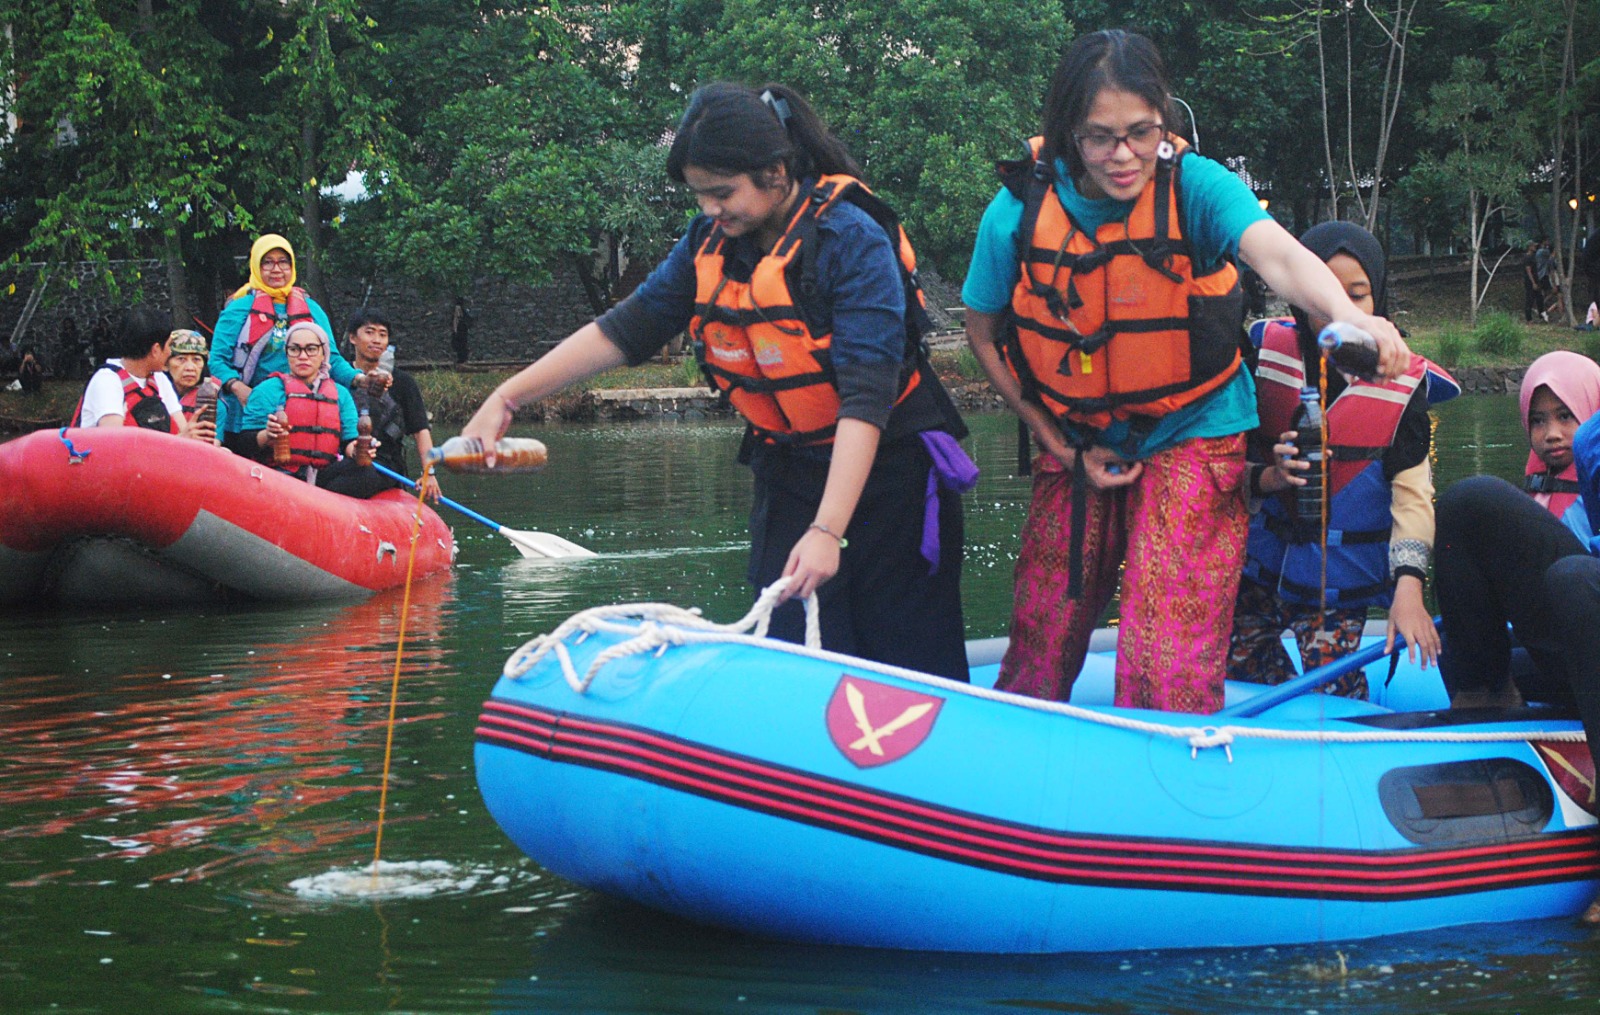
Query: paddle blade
point(544, 545)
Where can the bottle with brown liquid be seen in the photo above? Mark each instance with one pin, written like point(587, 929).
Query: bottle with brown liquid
point(364, 439)
point(280, 445)
point(205, 400)
point(512, 454)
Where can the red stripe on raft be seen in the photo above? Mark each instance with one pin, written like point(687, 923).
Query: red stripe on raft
point(1058, 856)
point(600, 752)
point(1495, 852)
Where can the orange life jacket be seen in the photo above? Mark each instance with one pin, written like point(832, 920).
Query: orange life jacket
point(141, 404)
point(313, 422)
point(753, 339)
point(1117, 325)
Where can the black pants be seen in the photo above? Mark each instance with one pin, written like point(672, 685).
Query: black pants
point(883, 604)
point(1501, 558)
point(1532, 299)
point(352, 480)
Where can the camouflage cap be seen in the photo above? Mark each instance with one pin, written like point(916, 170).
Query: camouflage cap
point(186, 342)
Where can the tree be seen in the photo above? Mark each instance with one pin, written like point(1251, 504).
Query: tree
point(1488, 161)
point(122, 133)
point(926, 93)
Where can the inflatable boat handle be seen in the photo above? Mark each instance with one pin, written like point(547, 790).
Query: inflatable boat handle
point(1316, 678)
point(529, 544)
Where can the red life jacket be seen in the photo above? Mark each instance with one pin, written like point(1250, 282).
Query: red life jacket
point(141, 404)
point(1362, 423)
point(753, 339)
point(1556, 492)
point(314, 431)
point(1116, 324)
point(259, 322)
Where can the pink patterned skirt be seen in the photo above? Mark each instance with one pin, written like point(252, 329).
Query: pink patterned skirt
point(1178, 534)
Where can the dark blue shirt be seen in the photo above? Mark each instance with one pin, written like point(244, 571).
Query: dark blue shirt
point(860, 296)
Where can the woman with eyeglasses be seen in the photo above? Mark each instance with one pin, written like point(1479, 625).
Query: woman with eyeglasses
point(252, 329)
point(1103, 303)
point(317, 416)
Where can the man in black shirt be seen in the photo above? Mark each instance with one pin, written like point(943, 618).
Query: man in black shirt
point(397, 410)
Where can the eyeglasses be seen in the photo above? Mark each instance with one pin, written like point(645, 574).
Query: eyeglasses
point(302, 350)
point(276, 264)
point(1142, 139)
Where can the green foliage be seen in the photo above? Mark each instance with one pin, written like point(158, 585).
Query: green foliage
point(925, 93)
point(1451, 346)
point(1591, 345)
point(1499, 334)
point(967, 364)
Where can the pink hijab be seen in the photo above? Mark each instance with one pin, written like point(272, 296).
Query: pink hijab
point(1575, 379)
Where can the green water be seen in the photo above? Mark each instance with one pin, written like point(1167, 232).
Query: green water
point(167, 778)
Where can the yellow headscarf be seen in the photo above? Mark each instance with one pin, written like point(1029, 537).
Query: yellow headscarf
point(258, 250)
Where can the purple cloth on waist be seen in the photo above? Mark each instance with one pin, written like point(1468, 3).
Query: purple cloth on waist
point(953, 470)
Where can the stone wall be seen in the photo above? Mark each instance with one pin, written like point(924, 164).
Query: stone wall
point(511, 322)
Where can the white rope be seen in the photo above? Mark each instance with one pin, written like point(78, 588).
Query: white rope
point(650, 635)
point(659, 626)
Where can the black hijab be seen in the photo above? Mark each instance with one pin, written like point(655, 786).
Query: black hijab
point(1326, 239)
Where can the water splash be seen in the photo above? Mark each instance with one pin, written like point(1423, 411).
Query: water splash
point(410, 879)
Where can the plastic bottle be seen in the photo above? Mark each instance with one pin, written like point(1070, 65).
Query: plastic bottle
point(280, 445)
point(1350, 349)
point(381, 376)
point(364, 439)
point(512, 454)
point(1307, 422)
point(205, 400)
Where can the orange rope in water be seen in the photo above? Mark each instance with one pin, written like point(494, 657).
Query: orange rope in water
point(399, 653)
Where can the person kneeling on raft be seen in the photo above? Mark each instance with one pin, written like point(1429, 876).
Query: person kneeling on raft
point(315, 415)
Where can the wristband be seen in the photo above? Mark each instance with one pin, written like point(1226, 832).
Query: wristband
point(843, 542)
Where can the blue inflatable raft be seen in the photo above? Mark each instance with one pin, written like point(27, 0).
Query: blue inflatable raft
point(794, 793)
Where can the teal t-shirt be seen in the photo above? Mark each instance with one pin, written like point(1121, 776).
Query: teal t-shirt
point(1217, 208)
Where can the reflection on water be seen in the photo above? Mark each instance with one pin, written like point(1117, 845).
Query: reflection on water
point(188, 799)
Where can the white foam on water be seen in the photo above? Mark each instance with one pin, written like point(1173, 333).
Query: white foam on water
point(410, 879)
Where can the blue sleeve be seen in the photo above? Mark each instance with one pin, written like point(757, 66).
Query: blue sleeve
point(267, 398)
point(1217, 209)
point(994, 270)
point(654, 313)
point(225, 336)
point(1586, 452)
point(339, 368)
point(348, 417)
point(859, 274)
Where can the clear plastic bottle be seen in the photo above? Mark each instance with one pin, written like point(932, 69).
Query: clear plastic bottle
point(1307, 422)
point(364, 439)
point(512, 454)
point(1350, 349)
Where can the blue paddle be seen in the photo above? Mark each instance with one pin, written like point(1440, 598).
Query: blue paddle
point(1311, 680)
point(529, 544)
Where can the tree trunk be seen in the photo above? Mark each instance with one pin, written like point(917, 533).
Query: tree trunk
point(309, 262)
point(177, 279)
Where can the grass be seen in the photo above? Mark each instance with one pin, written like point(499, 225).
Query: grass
point(1434, 314)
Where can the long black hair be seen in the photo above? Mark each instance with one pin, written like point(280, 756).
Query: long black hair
point(1125, 61)
point(730, 129)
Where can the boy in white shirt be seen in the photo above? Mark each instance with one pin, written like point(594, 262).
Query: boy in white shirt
point(132, 390)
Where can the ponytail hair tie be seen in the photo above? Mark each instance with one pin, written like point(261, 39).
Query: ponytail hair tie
point(779, 107)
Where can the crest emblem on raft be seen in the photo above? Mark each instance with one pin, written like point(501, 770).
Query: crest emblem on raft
point(873, 724)
point(1572, 768)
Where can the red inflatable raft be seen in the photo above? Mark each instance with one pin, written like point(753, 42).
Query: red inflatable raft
point(128, 515)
